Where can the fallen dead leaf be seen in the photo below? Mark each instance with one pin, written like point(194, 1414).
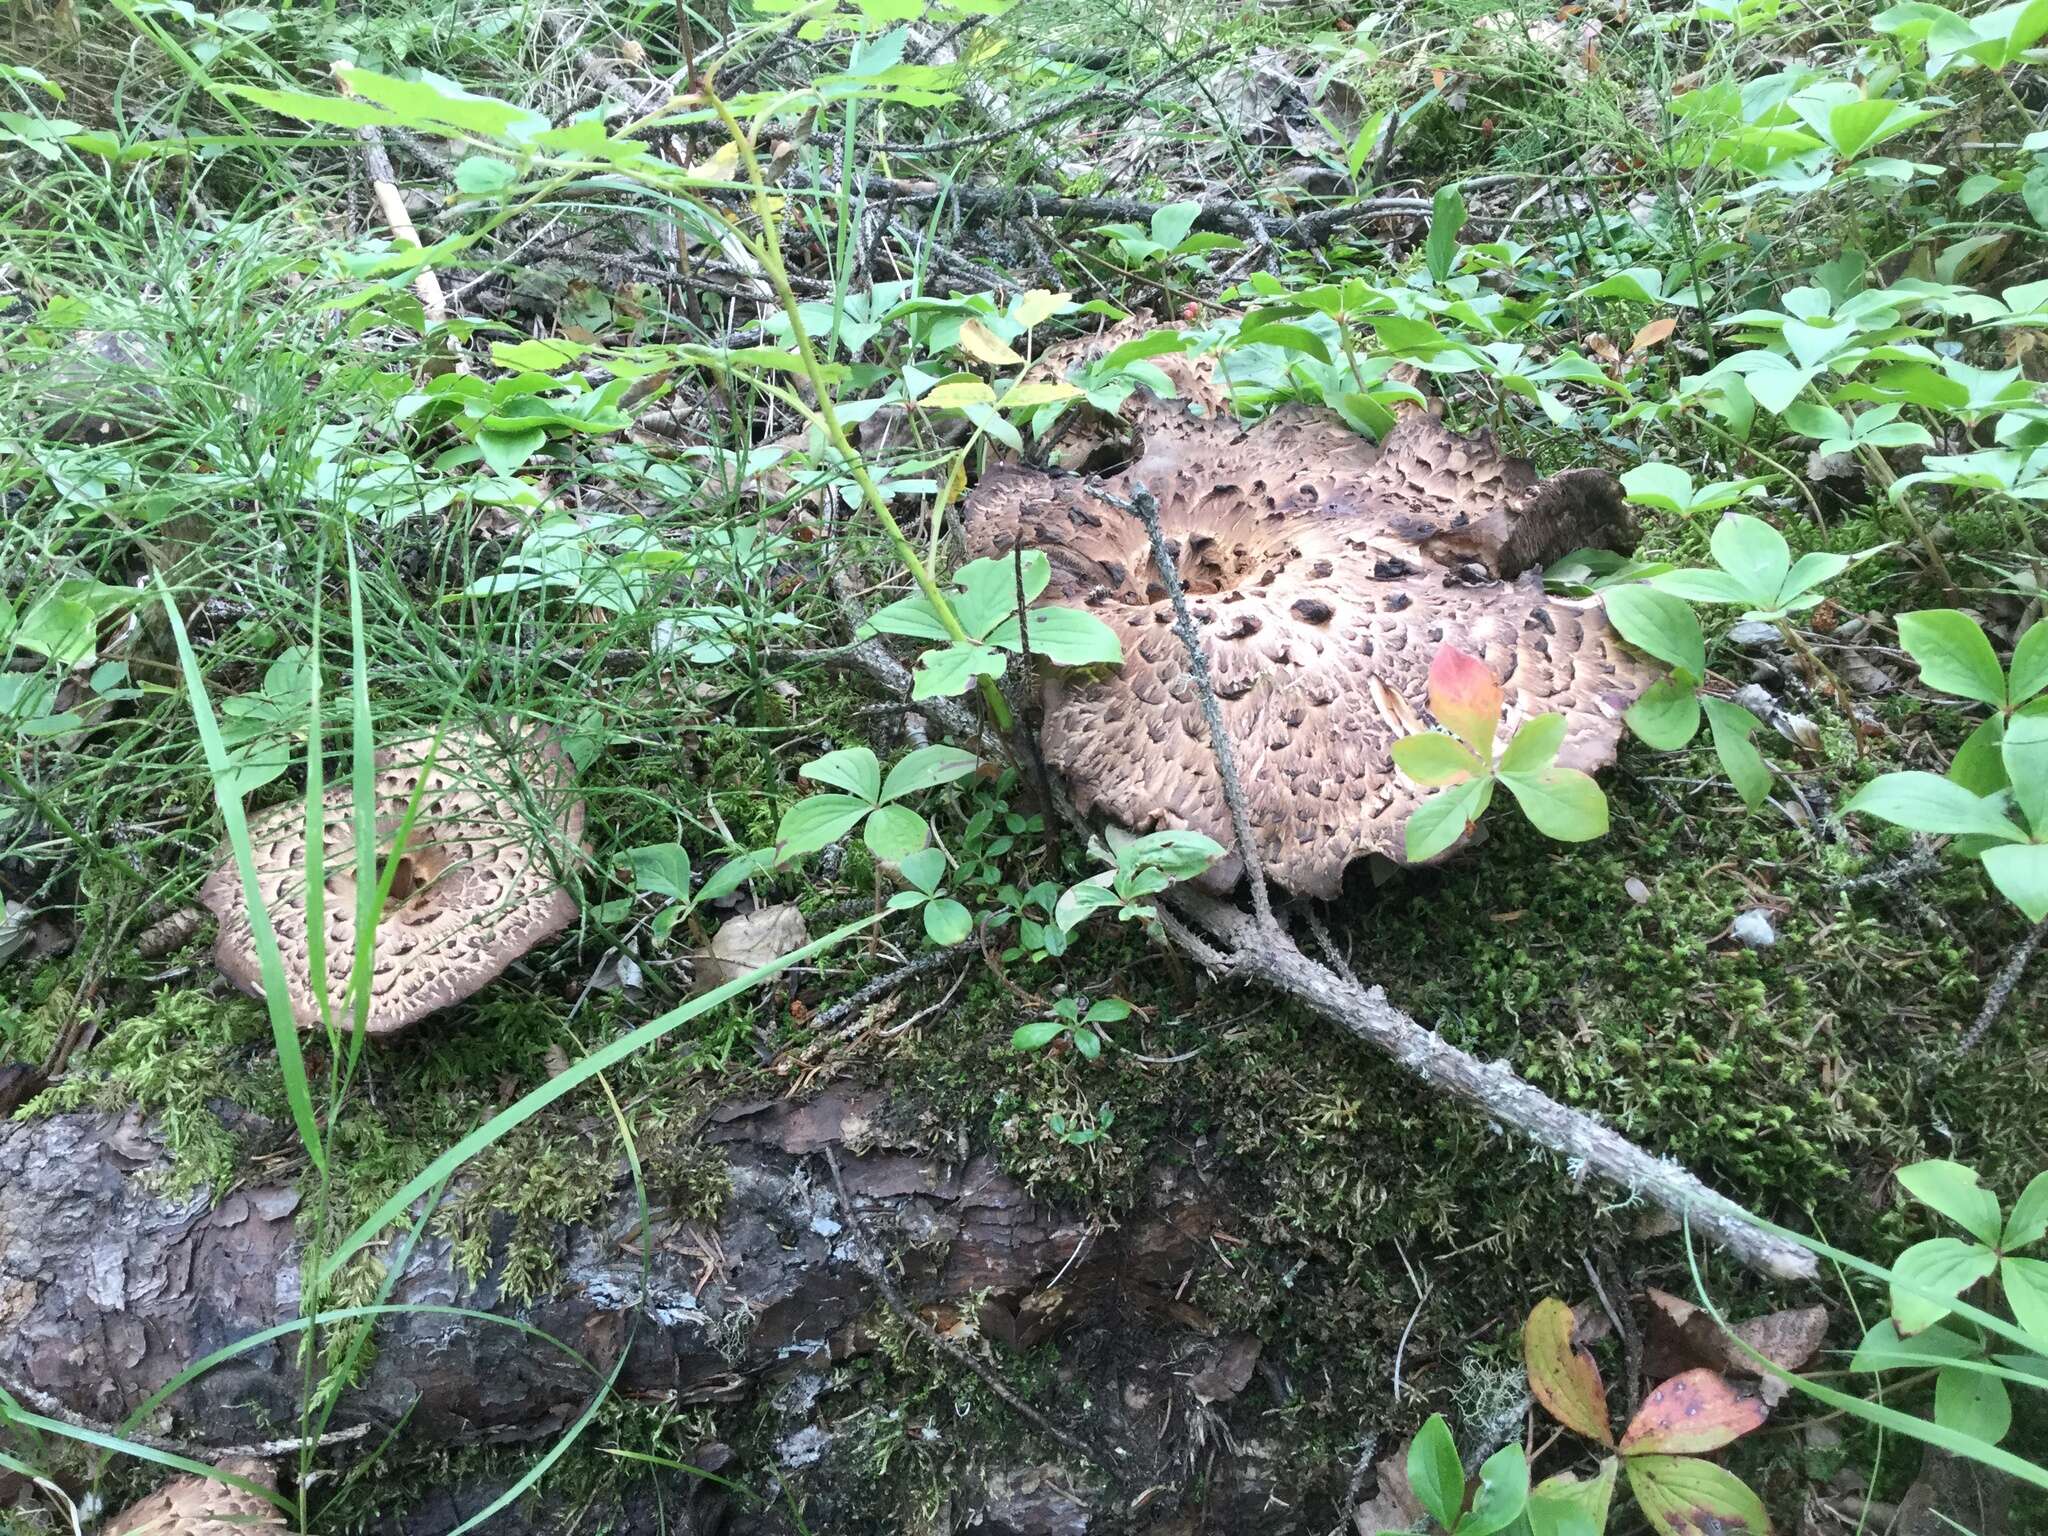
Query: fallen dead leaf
point(1229, 1372)
point(748, 942)
point(1682, 1336)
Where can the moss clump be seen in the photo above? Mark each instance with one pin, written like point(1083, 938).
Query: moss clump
point(173, 1062)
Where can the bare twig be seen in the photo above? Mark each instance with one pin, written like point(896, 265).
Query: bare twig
point(876, 1262)
point(2002, 987)
point(50, 1408)
point(1145, 508)
point(882, 986)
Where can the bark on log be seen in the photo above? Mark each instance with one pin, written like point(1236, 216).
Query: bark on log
point(107, 1290)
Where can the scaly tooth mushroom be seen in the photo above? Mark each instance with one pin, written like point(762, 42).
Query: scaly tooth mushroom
point(1323, 571)
point(199, 1506)
point(476, 885)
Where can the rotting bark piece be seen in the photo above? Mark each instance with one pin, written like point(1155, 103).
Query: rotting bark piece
point(199, 1506)
point(477, 886)
point(1324, 571)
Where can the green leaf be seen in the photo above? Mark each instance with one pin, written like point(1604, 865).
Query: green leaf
point(1565, 1506)
point(1034, 1037)
point(1926, 802)
point(480, 175)
point(924, 869)
point(1088, 1043)
point(1176, 853)
point(734, 873)
point(2026, 1292)
point(853, 769)
point(1435, 1475)
point(1754, 553)
point(1173, 222)
point(2020, 871)
point(341, 111)
point(1066, 637)
point(2028, 1222)
point(1447, 218)
point(1953, 654)
point(951, 670)
point(1972, 1403)
point(1534, 747)
point(1685, 1496)
point(927, 768)
point(1979, 764)
point(1732, 726)
point(1561, 803)
point(2029, 664)
point(1701, 586)
point(1433, 758)
point(1955, 1191)
point(946, 922)
point(1443, 818)
point(2025, 755)
point(1946, 1266)
point(505, 452)
point(1663, 486)
point(661, 868)
point(814, 823)
point(431, 102)
point(1502, 1495)
point(1108, 1010)
point(1080, 902)
point(1659, 624)
point(911, 616)
point(895, 832)
point(1667, 716)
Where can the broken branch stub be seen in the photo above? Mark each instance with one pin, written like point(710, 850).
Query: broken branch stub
point(1324, 572)
point(477, 883)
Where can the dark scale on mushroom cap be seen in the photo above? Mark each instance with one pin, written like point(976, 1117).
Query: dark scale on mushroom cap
point(1332, 568)
point(475, 889)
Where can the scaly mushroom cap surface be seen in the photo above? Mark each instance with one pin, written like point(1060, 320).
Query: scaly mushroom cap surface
point(198, 1506)
point(1323, 571)
point(475, 889)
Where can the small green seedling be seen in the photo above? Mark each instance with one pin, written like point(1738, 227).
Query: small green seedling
point(1561, 802)
point(1145, 866)
point(946, 921)
point(1068, 1020)
point(1077, 1134)
point(1170, 238)
point(663, 869)
point(1436, 1476)
point(892, 832)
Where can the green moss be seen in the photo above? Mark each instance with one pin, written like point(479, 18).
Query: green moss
point(174, 1062)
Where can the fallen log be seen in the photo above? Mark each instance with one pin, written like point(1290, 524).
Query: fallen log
point(108, 1290)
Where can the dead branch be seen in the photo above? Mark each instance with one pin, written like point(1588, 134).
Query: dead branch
point(1252, 953)
point(2002, 989)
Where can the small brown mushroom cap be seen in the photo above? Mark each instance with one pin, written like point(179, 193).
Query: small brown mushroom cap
point(1324, 571)
point(199, 1506)
point(476, 887)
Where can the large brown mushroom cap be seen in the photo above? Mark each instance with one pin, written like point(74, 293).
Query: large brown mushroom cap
point(1324, 571)
point(198, 1506)
point(476, 887)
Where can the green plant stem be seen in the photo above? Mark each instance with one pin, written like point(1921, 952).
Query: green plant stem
point(769, 251)
point(1878, 470)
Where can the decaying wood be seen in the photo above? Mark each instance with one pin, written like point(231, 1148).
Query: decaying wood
point(107, 1289)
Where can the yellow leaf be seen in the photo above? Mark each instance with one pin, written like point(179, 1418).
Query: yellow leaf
point(723, 165)
point(1040, 392)
point(1038, 304)
point(959, 392)
point(981, 343)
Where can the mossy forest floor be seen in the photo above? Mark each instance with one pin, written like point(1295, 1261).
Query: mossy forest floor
point(287, 357)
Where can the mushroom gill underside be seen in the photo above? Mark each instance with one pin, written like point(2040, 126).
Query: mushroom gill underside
point(1323, 572)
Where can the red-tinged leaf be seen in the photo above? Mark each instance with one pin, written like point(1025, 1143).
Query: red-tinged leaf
point(1684, 1496)
point(1465, 699)
point(1656, 331)
point(1562, 1377)
point(1698, 1411)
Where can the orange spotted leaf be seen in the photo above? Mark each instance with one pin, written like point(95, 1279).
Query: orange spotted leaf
point(1563, 1377)
point(1465, 699)
point(1698, 1411)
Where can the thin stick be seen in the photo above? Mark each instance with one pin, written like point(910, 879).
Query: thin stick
point(878, 1267)
point(266, 1450)
point(1145, 508)
point(2002, 989)
point(384, 184)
